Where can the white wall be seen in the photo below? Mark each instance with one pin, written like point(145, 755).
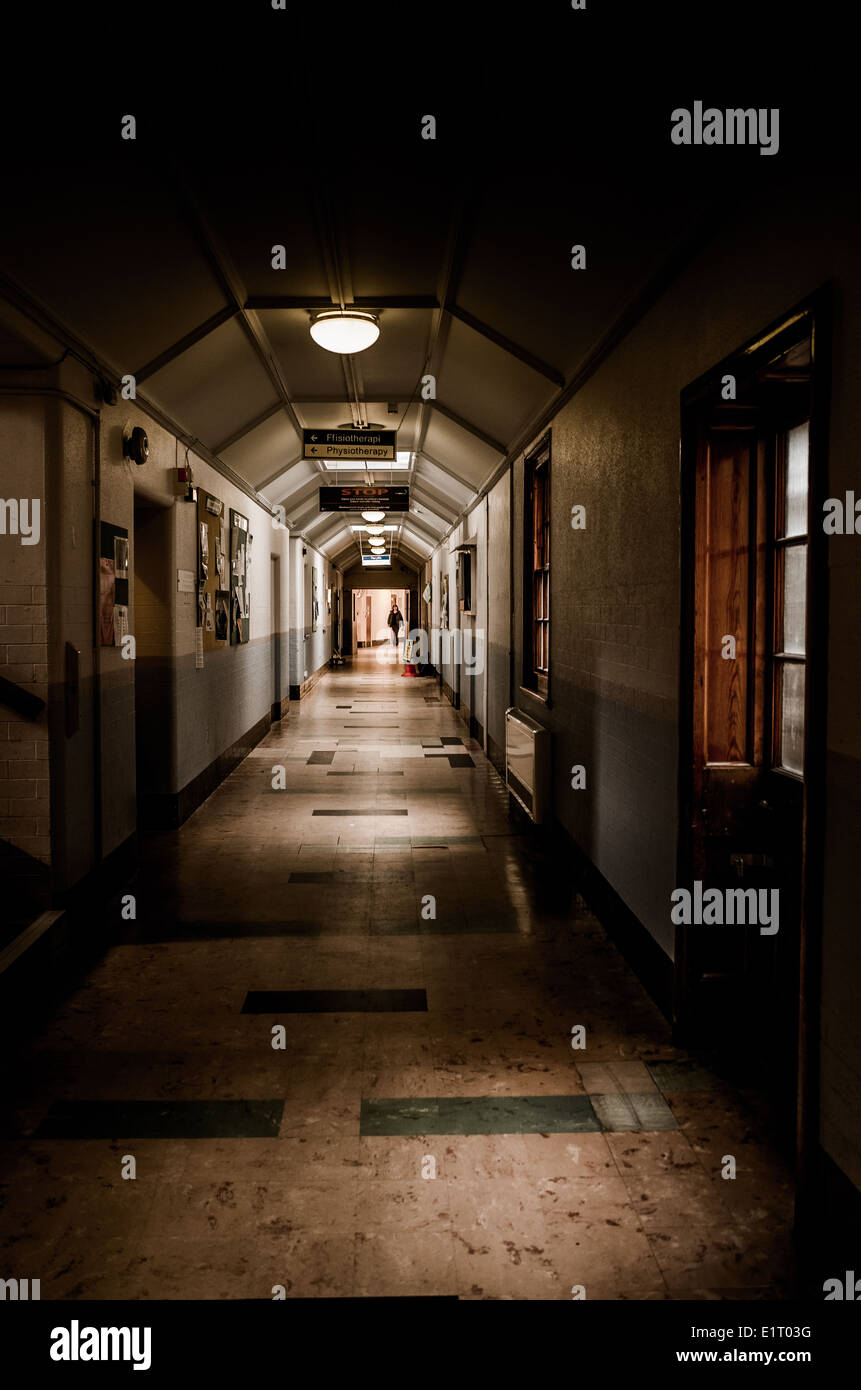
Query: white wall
point(211, 709)
point(309, 650)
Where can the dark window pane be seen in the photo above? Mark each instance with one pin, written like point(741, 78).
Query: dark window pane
point(795, 492)
point(794, 598)
point(791, 676)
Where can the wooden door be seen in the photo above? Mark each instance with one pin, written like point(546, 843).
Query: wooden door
point(750, 519)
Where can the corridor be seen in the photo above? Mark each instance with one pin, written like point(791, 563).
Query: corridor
point(430, 737)
point(423, 1126)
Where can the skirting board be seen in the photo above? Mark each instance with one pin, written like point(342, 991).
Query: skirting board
point(651, 965)
point(298, 691)
point(169, 810)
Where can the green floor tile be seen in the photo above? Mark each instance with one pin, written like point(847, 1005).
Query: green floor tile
point(480, 1115)
point(159, 1119)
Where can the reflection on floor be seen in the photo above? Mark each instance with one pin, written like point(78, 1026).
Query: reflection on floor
point(399, 1109)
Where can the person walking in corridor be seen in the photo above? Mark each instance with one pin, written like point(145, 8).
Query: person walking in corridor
point(395, 620)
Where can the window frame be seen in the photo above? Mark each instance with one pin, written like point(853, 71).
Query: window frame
point(778, 545)
point(535, 677)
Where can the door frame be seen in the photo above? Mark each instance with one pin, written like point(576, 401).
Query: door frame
point(816, 311)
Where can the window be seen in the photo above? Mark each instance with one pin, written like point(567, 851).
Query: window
point(790, 598)
point(537, 572)
point(752, 562)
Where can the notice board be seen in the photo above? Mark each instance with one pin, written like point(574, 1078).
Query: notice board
point(213, 592)
point(240, 578)
point(113, 584)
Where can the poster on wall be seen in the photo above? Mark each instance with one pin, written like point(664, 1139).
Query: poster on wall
point(212, 566)
point(443, 601)
point(315, 605)
point(222, 615)
point(106, 602)
point(113, 584)
point(240, 574)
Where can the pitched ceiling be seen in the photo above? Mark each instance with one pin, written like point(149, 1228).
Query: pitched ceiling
point(161, 262)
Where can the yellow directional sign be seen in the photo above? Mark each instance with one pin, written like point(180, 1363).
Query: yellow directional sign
point(378, 446)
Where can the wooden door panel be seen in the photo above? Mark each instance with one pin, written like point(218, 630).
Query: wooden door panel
point(746, 822)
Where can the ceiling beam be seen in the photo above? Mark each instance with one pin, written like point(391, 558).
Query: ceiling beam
point(318, 302)
point(303, 512)
point(413, 558)
point(449, 278)
point(282, 471)
point(422, 529)
point(475, 430)
point(22, 300)
point(183, 344)
point(247, 429)
point(301, 502)
point(444, 468)
point(434, 501)
point(346, 400)
point(233, 289)
point(515, 350)
point(328, 528)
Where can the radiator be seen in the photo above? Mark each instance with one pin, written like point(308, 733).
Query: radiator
point(527, 764)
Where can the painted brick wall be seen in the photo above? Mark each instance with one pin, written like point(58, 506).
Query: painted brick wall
point(24, 778)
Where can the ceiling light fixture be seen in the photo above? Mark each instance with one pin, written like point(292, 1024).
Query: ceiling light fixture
point(345, 330)
point(375, 530)
point(373, 516)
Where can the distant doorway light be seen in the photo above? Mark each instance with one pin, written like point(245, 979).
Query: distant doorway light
point(345, 330)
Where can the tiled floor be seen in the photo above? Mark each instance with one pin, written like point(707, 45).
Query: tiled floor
point(413, 1120)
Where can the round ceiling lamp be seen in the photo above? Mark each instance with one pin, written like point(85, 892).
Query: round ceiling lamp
point(373, 516)
point(377, 546)
point(374, 530)
point(345, 330)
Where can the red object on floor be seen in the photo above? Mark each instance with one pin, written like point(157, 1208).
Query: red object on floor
point(410, 670)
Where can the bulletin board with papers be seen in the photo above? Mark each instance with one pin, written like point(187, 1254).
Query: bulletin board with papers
point(240, 578)
point(213, 580)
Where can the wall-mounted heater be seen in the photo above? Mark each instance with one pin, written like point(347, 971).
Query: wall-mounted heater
point(527, 764)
